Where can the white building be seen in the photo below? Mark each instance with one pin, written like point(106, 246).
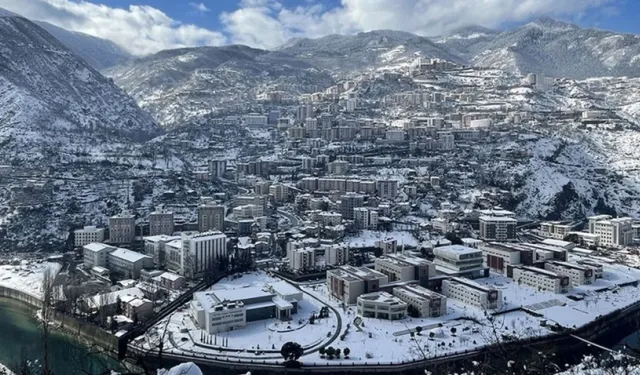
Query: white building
point(554, 229)
point(400, 267)
point(498, 228)
point(128, 263)
point(302, 259)
point(381, 305)
point(613, 232)
point(95, 255)
point(388, 245)
point(87, 235)
point(472, 293)
point(458, 260)
point(365, 218)
point(579, 275)
point(155, 247)
point(352, 104)
point(541, 279)
point(427, 302)
point(201, 251)
point(347, 283)
point(498, 257)
point(335, 255)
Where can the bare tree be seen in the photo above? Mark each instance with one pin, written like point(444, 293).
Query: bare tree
point(47, 301)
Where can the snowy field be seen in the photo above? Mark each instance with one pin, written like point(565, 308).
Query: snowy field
point(463, 328)
point(368, 238)
point(27, 277)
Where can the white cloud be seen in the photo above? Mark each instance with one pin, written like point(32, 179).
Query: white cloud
point(199, 7)
point(266, 23)
point(139, 29)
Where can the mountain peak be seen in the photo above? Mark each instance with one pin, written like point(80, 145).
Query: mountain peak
point(553, 23)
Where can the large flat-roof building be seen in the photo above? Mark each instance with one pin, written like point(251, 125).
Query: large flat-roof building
point(128, 263)
point(381, 305)
point(347, 282)
point(400, 267)
point(427, 302)
point(95, 255)
point(201, 251)
point(222, 310)
point(499, 256)
point(472, 293)
point(540, 279)
point(155, 247)
point(578, 274)
point(458, 260)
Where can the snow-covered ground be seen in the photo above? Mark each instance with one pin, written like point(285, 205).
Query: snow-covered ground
point(27, 276)
point(4, 370)
point(368, 238)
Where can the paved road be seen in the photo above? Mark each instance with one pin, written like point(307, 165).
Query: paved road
point(293, 219)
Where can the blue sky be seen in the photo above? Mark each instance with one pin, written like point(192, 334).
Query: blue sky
point(147, 26)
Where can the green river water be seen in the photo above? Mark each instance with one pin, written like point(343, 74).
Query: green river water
point(21, 337)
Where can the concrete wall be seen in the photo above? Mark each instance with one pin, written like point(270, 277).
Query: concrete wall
point(20, 296)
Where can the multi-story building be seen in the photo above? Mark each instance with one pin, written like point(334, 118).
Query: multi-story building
point(395, 135)
point(347, 283)
point(387, 245)
point(498, 257)
point(302, 259)
point(348, 202)
point(280, 192)
point(427, 302)
point(498, 228)
point(400, 267)
point(128, 263)
point(555, 229)
point(336, 255)
point(155, 247)
point(217, 167)
point(201, 251)
point(161, 222)
point(329, 218)
point(381, 305)
point(472, 293)
point(211, 218)
point(95, 255)
point(613, 232)
point(338, 167)
point(122, 228)
point(87, 235)
point(578, 274)
point(458, 260)
point(387, 189)
point(223, 310)
point(540, 279)
point(365, 218)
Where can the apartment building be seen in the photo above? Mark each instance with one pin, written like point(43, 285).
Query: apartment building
point(617, 232)
point(348, 202)
point(217, 167)
point(472, 293)
point(200, 252)
point(578, 274)
point(302, 259)
point(128, 263)
point(161, 222)
point(122, 228)
point(381, 305)
point(329, 218)
point(540, 279)
point(427, 302)
point(336, 255)
point(87, 235)
point(338, 167)
point(400, 267)
point(347, 282)
point(211, 218)
point(387, 189)
point(458, 260)
point(280, 192)
point(155, 247)
point(365, 218)
point(498, 228)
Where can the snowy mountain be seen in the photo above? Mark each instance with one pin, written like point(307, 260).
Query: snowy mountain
point(555, 48)
point(342, 54)
point(49, 96)
point(181, 86)
point(99, 53)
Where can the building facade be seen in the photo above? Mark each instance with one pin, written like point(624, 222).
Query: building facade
point(211, 218)
point(381, 305)
point(161, 222)
point(400, 267)
point(87, 235)
point(347, 283)
point(472, 293)
point(427, 302)
point(498, 228)
point(122, 228)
